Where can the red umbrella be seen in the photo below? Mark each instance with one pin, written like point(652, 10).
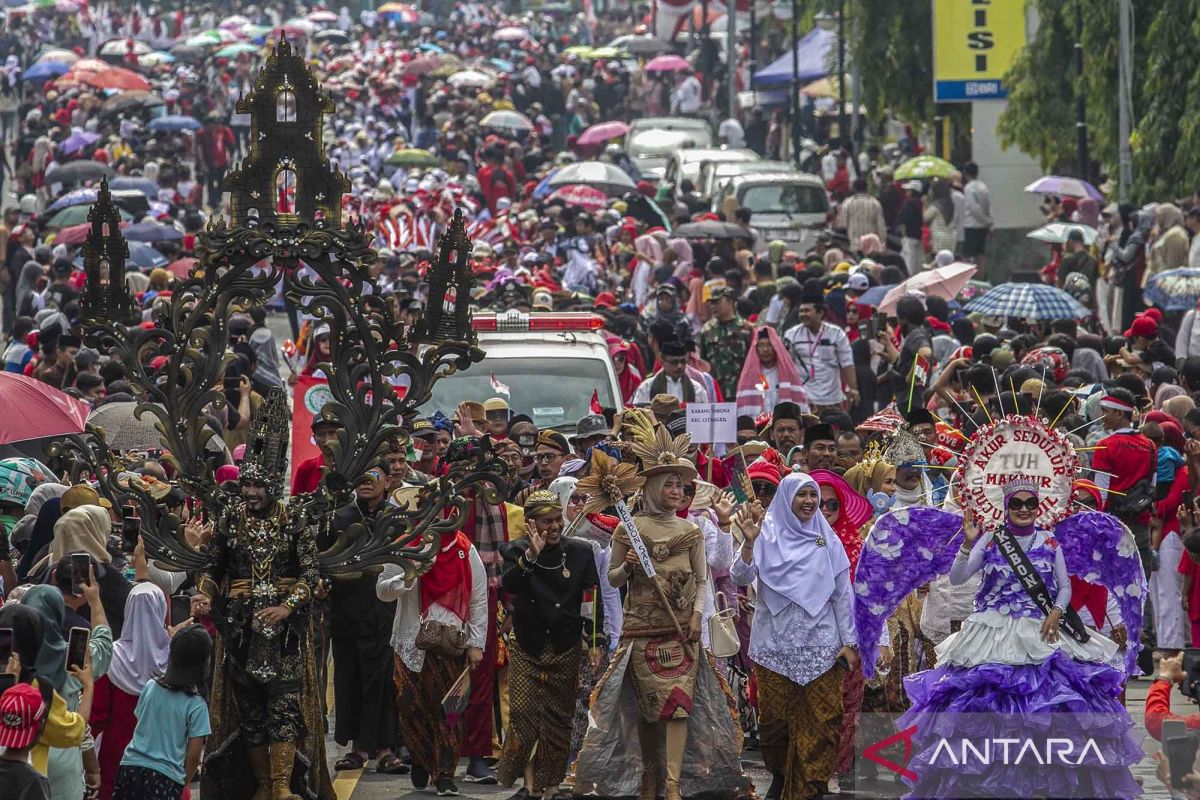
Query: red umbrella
point(182, 268)
point(584, 197)
point(101, 75)
point(37, 410)
point(602, 132)
point(422, 65)
point(76, 234)
point(670, 63)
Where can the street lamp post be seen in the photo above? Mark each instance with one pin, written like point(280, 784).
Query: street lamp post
point(843, 132)
point(795, 95)
point(1081, 126)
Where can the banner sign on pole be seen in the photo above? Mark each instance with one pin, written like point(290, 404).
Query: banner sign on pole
point(712, 423)
point(974, 44)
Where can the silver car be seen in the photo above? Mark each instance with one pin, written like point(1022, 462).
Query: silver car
point(789, 206)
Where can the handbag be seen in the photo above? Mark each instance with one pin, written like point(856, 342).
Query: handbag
point(723, 641)
point(441, 639)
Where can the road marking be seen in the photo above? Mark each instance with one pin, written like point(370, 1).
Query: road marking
point(345, 783)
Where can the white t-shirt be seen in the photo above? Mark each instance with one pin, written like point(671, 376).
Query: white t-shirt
point(730, 131)
point(820, 357)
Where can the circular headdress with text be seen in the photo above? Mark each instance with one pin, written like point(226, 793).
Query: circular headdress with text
point(1012, 448)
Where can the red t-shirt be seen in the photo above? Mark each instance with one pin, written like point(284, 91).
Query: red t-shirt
point(1129, 457)
point(308, 475)
point(1189, 567)
point(496, 182)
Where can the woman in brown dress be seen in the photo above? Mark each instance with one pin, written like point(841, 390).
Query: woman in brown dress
point(661, 685)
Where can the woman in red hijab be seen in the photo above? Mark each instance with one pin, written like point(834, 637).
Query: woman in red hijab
point(624, 356)
point(845, 510)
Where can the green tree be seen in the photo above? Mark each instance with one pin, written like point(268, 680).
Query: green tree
point(892, 44)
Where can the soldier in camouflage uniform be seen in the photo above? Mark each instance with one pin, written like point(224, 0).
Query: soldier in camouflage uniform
point(725, 339)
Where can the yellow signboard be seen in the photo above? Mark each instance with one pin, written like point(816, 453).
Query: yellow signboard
point(974, 44)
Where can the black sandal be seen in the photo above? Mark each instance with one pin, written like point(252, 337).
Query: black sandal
point(391, 764)
point(351, 760)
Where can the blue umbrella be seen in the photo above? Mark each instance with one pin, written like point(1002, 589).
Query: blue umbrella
point(175, 122)
point(501, 64)
point(874, 296)
point(141, 255)
point(79, 140)
point(1031, 301)
point(143, 185)
point(151, 232)
point(45, 71)
point(78, 197)
point(1174, 290)
point(430, 47)
point(544, 189)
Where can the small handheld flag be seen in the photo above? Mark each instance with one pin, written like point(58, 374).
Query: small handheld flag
point(455, 701)
point(499, 388)
point(595, 406)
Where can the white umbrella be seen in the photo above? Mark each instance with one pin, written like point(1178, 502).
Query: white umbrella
point(945, 282)
point(119, 47)
point(511, 34)
point(323, 17)
point(234, 22)
point(1057, 232)
point(471, 78)
point(608, 178)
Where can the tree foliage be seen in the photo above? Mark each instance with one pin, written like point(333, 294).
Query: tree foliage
point(892, 44)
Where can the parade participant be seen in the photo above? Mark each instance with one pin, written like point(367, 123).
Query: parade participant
point(820, 446)
point(786, 431)
point(822, 355)
point(657, 676)
point(359, 627)
point(672, 379)
point(1023, 652)
point(725, 339)
point(260, 575)
point(1126, 463)
point(440, 630)
point(802, 639)
point(769, 376)
point(546, 576)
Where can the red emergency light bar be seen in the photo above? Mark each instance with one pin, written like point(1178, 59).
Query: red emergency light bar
point(537, 322)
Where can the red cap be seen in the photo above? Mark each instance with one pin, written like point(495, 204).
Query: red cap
point(605, 300)
point(646, 188)
point(764, 471)
point(1153, 313)
point(1143, 325)
point(21, 711)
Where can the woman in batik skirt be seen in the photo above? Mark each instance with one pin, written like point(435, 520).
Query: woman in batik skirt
point(440, 630)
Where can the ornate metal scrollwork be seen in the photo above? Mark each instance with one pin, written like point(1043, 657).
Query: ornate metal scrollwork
point(292, 232)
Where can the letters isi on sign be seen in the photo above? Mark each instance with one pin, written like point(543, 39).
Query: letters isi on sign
point(974, 44)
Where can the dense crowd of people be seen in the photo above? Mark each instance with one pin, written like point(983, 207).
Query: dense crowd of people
point(572, 617)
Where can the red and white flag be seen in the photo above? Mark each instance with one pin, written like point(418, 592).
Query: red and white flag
point(499, 388)
point(596, 408)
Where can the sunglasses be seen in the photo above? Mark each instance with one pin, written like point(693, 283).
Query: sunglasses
point(764, 489)
point(578, 499)
point(833, 504)
point(1030, 504)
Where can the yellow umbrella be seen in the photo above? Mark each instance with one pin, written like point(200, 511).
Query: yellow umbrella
point(825, 87)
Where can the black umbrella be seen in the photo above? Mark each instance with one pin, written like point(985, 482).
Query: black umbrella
point(77, 172)
point(141, 255)
point(644, 209)
point(151, 232)
point(332, 35)
point(710, 229)
point(126, 101)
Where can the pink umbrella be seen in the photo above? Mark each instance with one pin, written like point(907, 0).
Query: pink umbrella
point(37, 410)
point(670, 63)
point(584, 197)
point(602, 132)
point(945, 282)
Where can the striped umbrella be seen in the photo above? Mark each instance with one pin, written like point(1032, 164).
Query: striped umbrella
point(507, 122)
point(1031, 301)
point(584, 197)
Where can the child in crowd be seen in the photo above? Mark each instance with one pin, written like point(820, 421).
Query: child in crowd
point(172, 724)
point(21, 715)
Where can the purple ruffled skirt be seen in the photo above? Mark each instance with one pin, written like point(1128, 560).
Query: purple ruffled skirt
point(1073, 736)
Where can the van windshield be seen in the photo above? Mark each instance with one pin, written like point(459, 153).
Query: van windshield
point(556, 392)
point(785, 198)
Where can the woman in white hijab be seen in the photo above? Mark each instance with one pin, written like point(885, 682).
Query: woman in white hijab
point(802, 640)
point(138, 657)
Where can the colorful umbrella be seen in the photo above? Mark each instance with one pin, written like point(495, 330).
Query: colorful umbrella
point(211, 38)
point(74, 234)
point(507, 122)
point(1174, 290)
point(669, 63)
point(77, 215)
point(155, 59)
point(603, 132)
point(174, 123)
point(105, 77)
point(605, 53)
point(924, 167)
point(1030, 301)
point(1057, 232)
point(322, 17)
point(236, 22)
point(471, 78)
point(403, 13)
point(945, 282)
point(182, 268)
point(306, 27)
point(511, 34)
point(236, 49)
point(37, 410)
point(152, 232)
point(45, 71)
point(122, 47)
point(412, 157)
point(143, 185)
point(19, 477)
point(61, 56)
point(1064, 187)
point(584, 197)
point(78, 140)
point(608, 178)
point(421, 65)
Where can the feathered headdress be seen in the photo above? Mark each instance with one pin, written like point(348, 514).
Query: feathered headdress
point(904, 449)
point(608, 482)
point(655, 448)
